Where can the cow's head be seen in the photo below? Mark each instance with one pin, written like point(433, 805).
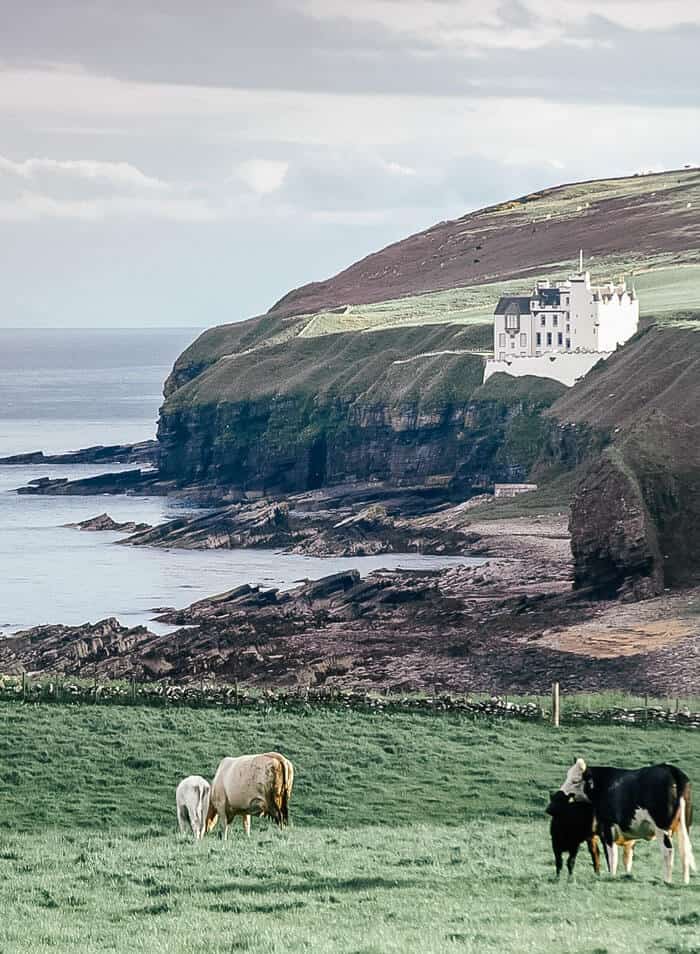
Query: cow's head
point(559, 802)
point(574, 781)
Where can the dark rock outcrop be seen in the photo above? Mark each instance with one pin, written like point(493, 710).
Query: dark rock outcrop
point(119, 482)
point(635, 518)
point(103, 521)
point(319, 524)
point(613, 538)
point(144, 452)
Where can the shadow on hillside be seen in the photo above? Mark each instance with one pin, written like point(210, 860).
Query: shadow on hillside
point(309, 887)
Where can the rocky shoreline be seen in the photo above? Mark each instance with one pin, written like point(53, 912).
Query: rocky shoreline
point(510, 625)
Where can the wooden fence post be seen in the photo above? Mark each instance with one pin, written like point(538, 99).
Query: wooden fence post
point(556, 712)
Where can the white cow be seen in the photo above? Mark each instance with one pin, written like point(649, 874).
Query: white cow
point(251, 785)
point(192, 801)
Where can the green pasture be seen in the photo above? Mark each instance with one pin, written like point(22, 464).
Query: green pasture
point(673, 289)
point(410, 833)
point(665, 283)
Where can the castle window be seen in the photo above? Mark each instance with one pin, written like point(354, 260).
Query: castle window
point(549, 339)
point(512, 322)
point(523, 341)
point(502, 340)
point(542, 320)
point(560, 339)
point(502, 356)
point(555, 320)
point(568, 344)
point(538, 339)
point(512, 342)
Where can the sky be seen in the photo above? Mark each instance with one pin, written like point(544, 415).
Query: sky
point(181, 163)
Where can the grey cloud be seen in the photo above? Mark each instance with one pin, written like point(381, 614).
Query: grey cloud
point(272, 44)
point(337, 181)
point(516, 14)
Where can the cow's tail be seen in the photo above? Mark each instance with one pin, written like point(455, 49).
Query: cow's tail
point(283, 788)
point(686, 820)
point(202, 811)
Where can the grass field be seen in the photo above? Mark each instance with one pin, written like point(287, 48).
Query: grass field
point(410, 833)
point(664, 285)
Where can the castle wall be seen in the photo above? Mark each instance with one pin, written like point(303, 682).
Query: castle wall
point(567, 368)
point(618, 319)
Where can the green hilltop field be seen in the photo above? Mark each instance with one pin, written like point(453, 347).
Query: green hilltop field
point(411, 833)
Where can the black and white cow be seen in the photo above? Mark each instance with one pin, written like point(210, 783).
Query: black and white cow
point(632, 804)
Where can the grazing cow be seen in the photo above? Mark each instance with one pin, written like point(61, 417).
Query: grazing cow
point(251, 785)
point(192, 801)
point(572, 823)
point(631, 804)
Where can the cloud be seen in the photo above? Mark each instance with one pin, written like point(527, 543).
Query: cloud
point(116, 174)
point(263, 176)
point(34, 207)
point(596, 50)
point(471, 25)
point(348, 217)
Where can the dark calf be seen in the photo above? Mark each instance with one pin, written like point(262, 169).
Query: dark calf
point(572, 823)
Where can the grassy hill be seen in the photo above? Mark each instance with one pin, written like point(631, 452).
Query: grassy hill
point(375, 374)
point(410, 833)
point(644, 227)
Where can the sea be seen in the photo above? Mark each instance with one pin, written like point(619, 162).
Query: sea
point(61, 390)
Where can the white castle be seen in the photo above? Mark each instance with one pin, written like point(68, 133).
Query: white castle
point(561, 331)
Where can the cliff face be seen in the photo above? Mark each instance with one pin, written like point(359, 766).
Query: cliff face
point(635, 517)
point(402, 405)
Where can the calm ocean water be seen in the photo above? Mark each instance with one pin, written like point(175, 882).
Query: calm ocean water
point(61, 390)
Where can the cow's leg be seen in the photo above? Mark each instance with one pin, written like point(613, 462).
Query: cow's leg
point(684, 845)
point(558, 861)
point(571, 861)
point(666, 847)
point(682, 850)
point(610, 849)
point(595, 853)
point(194, 820)
point(182, 819)
point(246, 825)
point(224, 825)
point(628, 856)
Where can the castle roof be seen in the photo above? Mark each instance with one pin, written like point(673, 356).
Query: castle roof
point(513, 303)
